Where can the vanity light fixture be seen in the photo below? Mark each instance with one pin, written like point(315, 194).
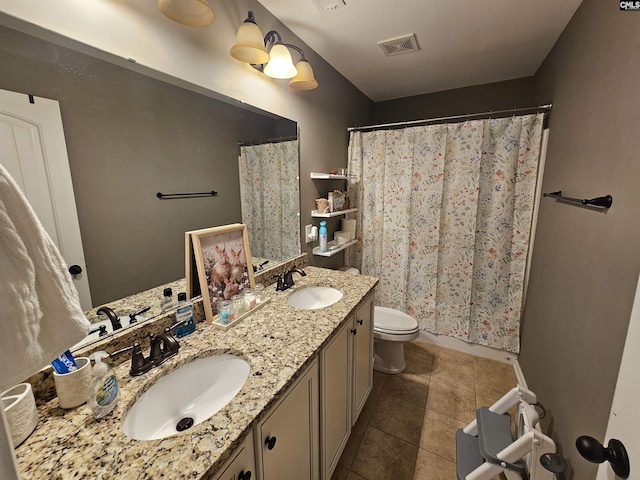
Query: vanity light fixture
point(193, 13)
point(271, 55)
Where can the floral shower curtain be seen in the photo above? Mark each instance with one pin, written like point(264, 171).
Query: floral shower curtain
point(270, 197)
point(444, 217)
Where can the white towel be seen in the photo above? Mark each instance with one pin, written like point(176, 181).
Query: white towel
point(40, 314)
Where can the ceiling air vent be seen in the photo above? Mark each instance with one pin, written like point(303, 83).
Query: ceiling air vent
point(326, 6)
point(399, 45)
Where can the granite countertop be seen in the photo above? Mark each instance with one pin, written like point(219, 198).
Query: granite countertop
point(277, 340)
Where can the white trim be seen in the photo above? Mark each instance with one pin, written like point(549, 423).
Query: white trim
point(470, 348)
point(536, 210)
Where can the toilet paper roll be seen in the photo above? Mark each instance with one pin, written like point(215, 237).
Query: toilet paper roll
point(348, 225)
point(20, 410)
point(72, 388)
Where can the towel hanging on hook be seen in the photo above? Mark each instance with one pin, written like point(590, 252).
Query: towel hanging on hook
point(604, 202)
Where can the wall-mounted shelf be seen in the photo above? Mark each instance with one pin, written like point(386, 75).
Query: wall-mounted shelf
point(314, 213)
point(327, 176)
point(333, 249)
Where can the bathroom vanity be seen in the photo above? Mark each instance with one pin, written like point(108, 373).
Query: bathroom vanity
point(310, 374)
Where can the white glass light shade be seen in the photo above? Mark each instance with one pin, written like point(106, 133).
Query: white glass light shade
point(193, 13)
point(304, 80)
point(249, 46)
point(280, 64)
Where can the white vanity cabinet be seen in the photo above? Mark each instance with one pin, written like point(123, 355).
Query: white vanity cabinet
point(287, 439)
point(241, 465)
point(362, 357)
point(346, 375)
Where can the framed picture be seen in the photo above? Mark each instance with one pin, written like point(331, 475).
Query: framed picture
point(223, 264)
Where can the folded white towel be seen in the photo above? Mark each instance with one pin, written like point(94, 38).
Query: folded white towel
point(40, 314)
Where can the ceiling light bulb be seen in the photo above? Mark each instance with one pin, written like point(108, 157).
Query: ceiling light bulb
point(193, 13)
point(280, 64)
point(304, 80)
point(249, 46)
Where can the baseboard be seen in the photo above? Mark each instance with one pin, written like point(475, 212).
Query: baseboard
point(470, 348)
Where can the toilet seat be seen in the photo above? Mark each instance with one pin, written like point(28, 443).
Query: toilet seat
point(393, 322)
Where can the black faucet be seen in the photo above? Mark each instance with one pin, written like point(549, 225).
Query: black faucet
point(139, 364)
point(163, 347)
point(285, 280)
point(115, 321)
point(101, 330)
point(132, 316)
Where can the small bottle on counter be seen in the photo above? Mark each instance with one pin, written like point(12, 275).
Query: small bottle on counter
point(225, 312)
point(249, 299)
point(238, 305)
point(184, 313)
point(166, 303)
point(259, 291)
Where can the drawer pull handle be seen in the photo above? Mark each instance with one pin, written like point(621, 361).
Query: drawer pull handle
point(270, 442)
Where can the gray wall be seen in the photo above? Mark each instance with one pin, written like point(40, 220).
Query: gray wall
point(460, 101)
point(129, 136)
point(585, 264)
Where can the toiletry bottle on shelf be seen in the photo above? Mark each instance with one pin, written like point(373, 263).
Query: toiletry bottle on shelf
point(184, 313)
point(323, 237)
point(103, 389)
point(166, 303)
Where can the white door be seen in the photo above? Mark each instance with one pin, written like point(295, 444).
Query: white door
point(624, 419)
point(33, 150)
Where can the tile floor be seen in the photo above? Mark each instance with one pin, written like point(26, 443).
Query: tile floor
point(406, 430)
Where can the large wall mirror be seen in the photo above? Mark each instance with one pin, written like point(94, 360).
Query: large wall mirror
point(130, 136)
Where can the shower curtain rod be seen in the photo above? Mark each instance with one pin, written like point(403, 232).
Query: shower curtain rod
point(539, 108)
point(267, 140)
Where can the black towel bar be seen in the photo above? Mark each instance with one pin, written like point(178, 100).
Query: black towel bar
point(161, 196)
point(599, 202)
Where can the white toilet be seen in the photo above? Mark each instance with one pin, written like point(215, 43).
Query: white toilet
point(391, 328)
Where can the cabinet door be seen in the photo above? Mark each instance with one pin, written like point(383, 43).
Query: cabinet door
point(242, 465)
point(335, 398)
point(287, 439)
point(362, 357)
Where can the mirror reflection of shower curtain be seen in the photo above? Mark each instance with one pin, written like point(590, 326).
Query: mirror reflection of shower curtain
point(269, 191)
point(444, 217)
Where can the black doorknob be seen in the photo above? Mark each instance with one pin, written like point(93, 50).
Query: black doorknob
point(75, 269)
point(244, 475)
point(615, 454)
point(270, 442)
point(360, 321)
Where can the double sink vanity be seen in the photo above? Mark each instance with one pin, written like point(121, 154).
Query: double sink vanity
point(288, 383)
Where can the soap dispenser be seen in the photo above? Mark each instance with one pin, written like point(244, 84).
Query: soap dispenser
point(103, 389)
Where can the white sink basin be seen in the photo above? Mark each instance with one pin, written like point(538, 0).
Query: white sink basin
point(188, 396)
point(312, 298)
